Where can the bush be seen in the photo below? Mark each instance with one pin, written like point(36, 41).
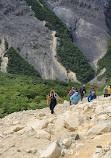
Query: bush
point(105, 62)
point(18, 65)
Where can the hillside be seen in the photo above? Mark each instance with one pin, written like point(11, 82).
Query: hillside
point(79, 131)
point(89, 22)
point(43, 40)
point(23, 92)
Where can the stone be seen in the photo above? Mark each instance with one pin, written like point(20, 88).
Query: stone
point(102, 117)
point(43, 134)
point(33, 151)
point(103, 126)
point(37, 124)
point(108, 155)
point(67, 142)
point(53, 151)
point(72, 121)
point(42, 115)
point(18, 129)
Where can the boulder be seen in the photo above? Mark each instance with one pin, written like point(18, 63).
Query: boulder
point(67, 142)
point(103, 126)
point(36, 124)
point(53, 151)
point(43, 134)
point(108, 155)
point(73, 121)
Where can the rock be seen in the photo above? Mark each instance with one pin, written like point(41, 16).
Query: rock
point(72, 121)
point(18, 129)
point(102, 117)
point(95, 155)
point(108, 155)
point(67, 142)
point(42, 114)
point(59, 122)
point(66, 152)
point(32, 151)
point(103, 126)
point(16, 122)
point(99, 109)
point(53, 151)
point(43, 134)
point(37, 124)
point(99, 150)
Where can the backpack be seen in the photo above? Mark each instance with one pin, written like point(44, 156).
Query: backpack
point(83, 90)
point(71, 93)
point(93, 92)
point(55, 94)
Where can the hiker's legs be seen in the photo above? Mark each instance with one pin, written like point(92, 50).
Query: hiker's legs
point(52, 106)
point(82, 97)
point(70, 102)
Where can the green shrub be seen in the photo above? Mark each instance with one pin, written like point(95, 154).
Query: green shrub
point(105, 62)
point(20, 92)
point(18, 65)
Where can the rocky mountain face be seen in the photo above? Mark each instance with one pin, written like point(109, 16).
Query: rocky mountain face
point(37, 44)
point(76, 131)
point(89, 22)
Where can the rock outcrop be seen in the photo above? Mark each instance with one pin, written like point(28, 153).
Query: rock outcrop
point(84, 131)
point(90, 24)
point(37, 44)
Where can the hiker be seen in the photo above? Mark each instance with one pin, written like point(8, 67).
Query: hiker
point(71, 92)
point(53, 100)
point(92, 95)
point(105, 91)
point(82, 91)
point(75, 98)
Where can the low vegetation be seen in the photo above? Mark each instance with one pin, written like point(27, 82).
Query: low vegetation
point(18, 65)
point(20, 92)
point(105, 62)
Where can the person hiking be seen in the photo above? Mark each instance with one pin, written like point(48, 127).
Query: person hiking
point(71, 92)
point(53, 100)
point(82, 91)
point(93, 92)
point(75, 98)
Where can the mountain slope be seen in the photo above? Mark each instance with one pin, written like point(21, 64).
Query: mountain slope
point(90, 24)
point(35, 41)
point(80, 131)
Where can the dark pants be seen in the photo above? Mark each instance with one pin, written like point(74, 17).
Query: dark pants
point(52, 106)
point(82, 95)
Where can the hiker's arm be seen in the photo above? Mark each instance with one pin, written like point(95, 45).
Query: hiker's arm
point(69, 92)
point(59, 98)
point(48, 100)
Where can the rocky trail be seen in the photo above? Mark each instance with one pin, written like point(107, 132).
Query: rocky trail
point(77, 131)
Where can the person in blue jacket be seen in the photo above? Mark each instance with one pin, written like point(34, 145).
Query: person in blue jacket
point(75, 98)
point(92, 95)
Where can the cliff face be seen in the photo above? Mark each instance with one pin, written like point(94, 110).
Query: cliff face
point(37, 43)
point(89, 22)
